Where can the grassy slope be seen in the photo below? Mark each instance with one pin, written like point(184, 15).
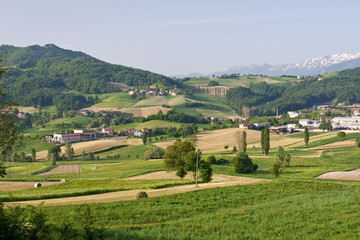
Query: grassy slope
point(115, 100)
point(86, 187)
point(279, 209)
point(149, 124)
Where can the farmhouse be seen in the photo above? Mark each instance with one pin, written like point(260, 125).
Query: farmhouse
point(22, 115)
point(77, 136)
point(127, 131)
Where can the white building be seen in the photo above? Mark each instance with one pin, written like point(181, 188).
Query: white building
point(138, 133)
point(293, 114)
point(351, 123)
point(309, 123)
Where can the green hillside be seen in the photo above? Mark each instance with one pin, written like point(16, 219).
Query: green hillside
point(263, 98)
point(37, 74)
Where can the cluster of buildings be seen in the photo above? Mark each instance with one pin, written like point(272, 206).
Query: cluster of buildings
point(346, 123)
point(139, 133)
point(337, 123)
point(79, 135)
point(22, 115)
point(160, 92)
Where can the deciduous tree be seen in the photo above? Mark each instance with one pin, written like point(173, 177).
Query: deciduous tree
point(9, 134)
point(181, 157)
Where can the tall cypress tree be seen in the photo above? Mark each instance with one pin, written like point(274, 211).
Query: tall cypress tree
point(267, 140)
point(262, 141)
point(306, 137)
point(244, 143)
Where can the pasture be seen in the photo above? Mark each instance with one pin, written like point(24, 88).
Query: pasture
point(87, 146)
point(287, 209)
point(145, 111)
point(161, 100)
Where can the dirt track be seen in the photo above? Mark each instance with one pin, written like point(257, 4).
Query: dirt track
point(218, 182)
point(348, 175)
point(61, 169)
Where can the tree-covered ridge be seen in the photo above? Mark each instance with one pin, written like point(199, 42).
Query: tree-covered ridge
point(263, 98)
point(37, 74)
point(242, 98)
point(28, 57)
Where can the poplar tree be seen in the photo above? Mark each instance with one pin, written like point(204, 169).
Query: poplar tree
point(266, 140)
point(262, 141)
point(33, 154)
point(306, 137)
point(244, 143)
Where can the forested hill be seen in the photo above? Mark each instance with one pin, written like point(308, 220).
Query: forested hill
point(262, 99)
point(37, 74)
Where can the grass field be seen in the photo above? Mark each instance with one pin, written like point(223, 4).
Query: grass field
point(125, 152)
point(145, 111)
point(87, 146)
point(86, 187)
point(161, 100)
point(148, 124)
point(115, 100)
point(279, 209)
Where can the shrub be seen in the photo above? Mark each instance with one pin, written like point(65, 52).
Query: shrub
point(357, 142)
point(243, 164)
point(141, 194)
point(341, 134)
point(154, 153)
point(211, 159)
point(276, 168)
point(205, 171)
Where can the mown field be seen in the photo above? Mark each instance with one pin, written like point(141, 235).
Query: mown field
point(276, 210)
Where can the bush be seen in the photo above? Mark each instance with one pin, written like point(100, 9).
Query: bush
point(141, 194)
point(154, 153)
point(276, 168)
point(341, 134)
point(205, 171)
point(222, 161)
point(243, 164)
point(211, 159)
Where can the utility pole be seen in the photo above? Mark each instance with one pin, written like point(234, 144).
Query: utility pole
point(79, 167)
point(8, 159)
point(197, 166)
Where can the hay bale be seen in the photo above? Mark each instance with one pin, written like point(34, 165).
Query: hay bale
point(63, 180)
point(37, 185)
point(141, 194)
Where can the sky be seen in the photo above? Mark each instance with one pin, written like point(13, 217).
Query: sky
point(183, 36)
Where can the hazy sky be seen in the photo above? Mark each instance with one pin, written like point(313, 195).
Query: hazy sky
point(183, 36)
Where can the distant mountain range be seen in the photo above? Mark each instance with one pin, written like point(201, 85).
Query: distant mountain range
point(311, 66)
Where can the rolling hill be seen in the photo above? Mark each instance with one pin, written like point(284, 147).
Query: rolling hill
point(37, 74)
point(262, 98)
